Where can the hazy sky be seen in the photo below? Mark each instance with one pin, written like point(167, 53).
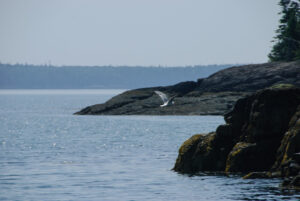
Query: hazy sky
point(137, 32)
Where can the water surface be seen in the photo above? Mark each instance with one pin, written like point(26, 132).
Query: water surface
point(46, 153)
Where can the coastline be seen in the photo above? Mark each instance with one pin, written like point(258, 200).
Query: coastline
point(214, 95)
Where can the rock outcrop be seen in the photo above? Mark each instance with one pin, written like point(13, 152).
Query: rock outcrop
point(252, 77)
point(261, 135)
point(214, 95)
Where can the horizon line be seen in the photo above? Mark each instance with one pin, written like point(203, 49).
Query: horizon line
point(124, 65)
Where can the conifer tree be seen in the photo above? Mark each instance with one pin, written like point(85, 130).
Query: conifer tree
point(287, 46)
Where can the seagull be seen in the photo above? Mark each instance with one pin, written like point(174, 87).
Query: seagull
point(167, 101)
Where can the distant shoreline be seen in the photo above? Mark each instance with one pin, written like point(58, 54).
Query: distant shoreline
point(61, 91)
point(78, 77)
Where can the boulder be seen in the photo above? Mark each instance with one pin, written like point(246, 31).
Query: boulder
point(249, 157)
point(202, 153)
point(261, 134)
point(184, 162)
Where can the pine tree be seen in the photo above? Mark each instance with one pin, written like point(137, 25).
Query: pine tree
point(287, 47)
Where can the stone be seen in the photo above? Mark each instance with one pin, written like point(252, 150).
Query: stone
point(288, 152)
point(296, 157)
point(202, 153)
point(257, 175)
point(184, 162)
point(296, 181)
point(214, 95)
point(260, 134)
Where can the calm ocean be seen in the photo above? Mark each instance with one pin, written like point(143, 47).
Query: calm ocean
point(46, 153)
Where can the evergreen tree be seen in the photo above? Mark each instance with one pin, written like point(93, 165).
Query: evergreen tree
point(287, 47)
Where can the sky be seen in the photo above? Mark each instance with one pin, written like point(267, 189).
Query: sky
point(137, 32)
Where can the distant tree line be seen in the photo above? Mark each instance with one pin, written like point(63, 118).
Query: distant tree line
point(287, 40)
point(20, 76)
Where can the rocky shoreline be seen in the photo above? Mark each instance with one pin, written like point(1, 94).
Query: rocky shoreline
point(261, 139)
point(214, 95)
point(261, 108)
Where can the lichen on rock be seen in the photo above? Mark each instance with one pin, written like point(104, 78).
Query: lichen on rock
point(290, 144)
point(202, 153)
point(261, 134)
point(184, 162)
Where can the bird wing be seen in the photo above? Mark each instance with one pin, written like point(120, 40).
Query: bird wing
point(162, 95)
point(172, 98)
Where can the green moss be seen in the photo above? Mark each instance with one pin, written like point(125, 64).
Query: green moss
point(236, 150)
point(189, 143)
point(208, 141)
point(257, 175)
point(282, 86)
point(290, 140)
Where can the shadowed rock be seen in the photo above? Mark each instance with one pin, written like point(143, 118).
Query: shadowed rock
point(262, 133)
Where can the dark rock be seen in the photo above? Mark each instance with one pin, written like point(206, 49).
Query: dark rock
point(248, 157)
point(286, 182)
point(291, 182)
point(288, 152)
point(209, 153)
point(296, 181)
point(252, 77)
point(225, 131)
point(276, 174)
point(182, 88)
point(202, 153)
point(214, 95)
point(290, 168)
point(271, 111)
point(261, 124)
point(184, 162)
point(255, 130)
point(296, 157)
point(257, 175)
point(146, 102)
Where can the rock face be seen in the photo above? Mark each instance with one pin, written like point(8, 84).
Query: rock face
point(146, 102)
point(262, 133)
point(214, 95)
point(202, 153)
point(252, 77)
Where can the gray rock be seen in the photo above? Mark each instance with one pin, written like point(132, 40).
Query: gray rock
point(215, 95)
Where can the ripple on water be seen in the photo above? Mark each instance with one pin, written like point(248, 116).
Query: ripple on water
point(46, 153)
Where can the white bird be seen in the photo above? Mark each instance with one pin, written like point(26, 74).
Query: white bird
point(167, 101)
